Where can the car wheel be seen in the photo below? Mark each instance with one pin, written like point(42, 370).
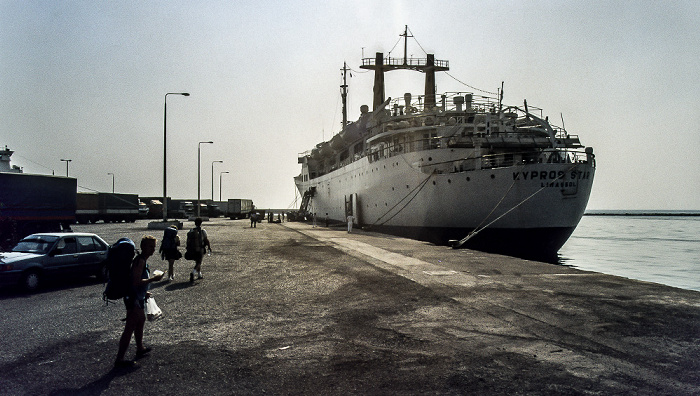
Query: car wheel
point(102, 273)
point(31, 280)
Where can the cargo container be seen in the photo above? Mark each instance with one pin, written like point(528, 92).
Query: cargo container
point(239, 208)
point(34, 203)
point(108, 207)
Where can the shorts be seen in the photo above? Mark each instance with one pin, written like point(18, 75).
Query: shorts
point(172, 254)
point(131, 302)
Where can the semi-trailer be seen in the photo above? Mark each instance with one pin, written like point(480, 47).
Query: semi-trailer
point(108, 207)
point(239, 208)
point(31, 203)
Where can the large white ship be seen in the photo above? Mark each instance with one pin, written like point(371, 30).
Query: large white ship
point(459, 168)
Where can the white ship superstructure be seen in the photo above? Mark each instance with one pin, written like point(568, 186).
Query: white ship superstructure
point(454, 167)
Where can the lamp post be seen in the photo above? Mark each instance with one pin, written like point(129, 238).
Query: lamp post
point(112, 181)
point(212, 177)
point(67, 161)
point(165, 152)
point(199, 173)
point(220, 178)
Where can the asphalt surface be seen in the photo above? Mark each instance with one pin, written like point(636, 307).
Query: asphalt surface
point(291, 309)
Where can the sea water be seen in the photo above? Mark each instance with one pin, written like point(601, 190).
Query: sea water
point(644, 246)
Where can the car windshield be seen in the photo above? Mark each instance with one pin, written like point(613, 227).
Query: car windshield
point(35, 244)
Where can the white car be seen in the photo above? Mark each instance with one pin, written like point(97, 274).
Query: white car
point(43, 256)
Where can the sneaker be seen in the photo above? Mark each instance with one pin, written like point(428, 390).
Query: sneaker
point(191, 277)
point(143, 352)
point(170, 278)
point(124, 363)
point(200, 276)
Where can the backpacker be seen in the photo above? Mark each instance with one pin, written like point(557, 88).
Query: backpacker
point(119, 259)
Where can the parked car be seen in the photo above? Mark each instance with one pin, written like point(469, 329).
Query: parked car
point(43, 256)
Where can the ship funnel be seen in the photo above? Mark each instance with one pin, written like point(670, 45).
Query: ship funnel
point(458, 102)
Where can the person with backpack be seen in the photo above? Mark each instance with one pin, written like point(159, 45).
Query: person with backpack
point(197, 244)
point(169, 250)
point(135, 303)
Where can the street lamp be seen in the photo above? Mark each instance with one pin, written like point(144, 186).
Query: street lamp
point(67, 161)
point(212, 177)
point(199, 173)
point(165, 152)
point(112, 181)
point(220, 177)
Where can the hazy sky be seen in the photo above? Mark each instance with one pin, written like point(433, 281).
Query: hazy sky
point(85, 80)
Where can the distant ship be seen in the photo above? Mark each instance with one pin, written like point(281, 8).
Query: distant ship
point(460, 168)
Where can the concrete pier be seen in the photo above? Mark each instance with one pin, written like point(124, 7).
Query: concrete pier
point(292, 309)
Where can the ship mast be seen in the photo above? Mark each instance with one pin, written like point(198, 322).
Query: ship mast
point(344, 94)
point(405, 45)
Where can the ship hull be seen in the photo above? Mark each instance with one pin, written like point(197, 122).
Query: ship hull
point(525, 210)
point(534, 243)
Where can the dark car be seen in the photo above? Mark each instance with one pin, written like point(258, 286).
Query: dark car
point(48, 255)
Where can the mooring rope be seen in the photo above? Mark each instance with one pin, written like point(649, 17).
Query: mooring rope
point(417, 190)
point(478, 230)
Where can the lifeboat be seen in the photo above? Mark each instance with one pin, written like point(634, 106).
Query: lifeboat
point(326, 150)
point(337, 143)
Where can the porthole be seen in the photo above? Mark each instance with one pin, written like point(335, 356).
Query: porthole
point(493, 176)
point(430, 158)
point(449, 181)
point(468, 178)
point(434, 182)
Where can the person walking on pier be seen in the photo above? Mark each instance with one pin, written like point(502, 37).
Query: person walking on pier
point(168, 249)
point(197, 244)
point(135, 303)
point(350, 220)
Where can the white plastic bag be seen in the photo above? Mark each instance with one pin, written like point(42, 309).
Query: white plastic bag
point(153, 312)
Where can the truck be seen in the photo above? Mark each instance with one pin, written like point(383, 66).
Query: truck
point(180, 208)
point(239, 208)
point(32, 203)
point(108, 207)
point(217, 208)
point(143, 210)
point(155, 208)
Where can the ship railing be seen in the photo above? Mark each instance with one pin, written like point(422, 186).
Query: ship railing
point(504, 160)
point(391, 148)
point(469, 102)
point(411, 62)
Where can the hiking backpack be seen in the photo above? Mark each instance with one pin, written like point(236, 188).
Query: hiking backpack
point(194, 240)
point(169, 238)
point(119, 259)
